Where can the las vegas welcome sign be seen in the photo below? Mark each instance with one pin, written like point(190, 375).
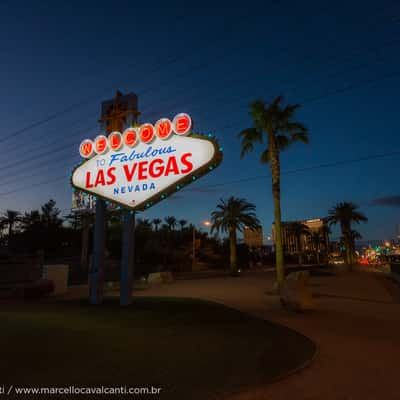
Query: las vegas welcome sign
point(143, 165)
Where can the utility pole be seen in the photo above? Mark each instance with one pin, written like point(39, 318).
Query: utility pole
point(117, 114)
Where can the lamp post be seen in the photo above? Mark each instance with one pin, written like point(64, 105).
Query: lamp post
point(205, 223)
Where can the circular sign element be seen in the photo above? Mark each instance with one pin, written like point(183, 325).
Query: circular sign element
point(86, 148)
point(100, 144)
point(163, 128)
point(182, 124)
point(115, 140)
point(130, 137)
point(146, 133)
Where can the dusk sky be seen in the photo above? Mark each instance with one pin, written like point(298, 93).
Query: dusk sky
point(341, 61)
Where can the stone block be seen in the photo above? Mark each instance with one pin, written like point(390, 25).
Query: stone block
point(160, 277)
point(296, 296)
point(58, 274)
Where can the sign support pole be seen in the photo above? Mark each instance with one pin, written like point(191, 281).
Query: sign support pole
point(128, 258)
point(97, 268)
point(85, 243)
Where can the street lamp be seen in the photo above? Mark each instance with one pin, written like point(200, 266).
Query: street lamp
point(205, 223)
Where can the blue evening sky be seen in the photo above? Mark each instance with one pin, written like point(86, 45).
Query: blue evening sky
point(339, 59)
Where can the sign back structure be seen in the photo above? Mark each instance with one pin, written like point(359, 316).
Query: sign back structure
point(144, 165)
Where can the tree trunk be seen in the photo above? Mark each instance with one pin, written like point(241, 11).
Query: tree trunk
point(347, 242)
point(232, 247)
point(10, 235)
point(276, 193)
point(352, 252)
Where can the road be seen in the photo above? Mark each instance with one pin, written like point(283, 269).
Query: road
point(356, 326)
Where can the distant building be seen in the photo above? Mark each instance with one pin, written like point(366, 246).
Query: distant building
point(253, 238)
point(291, 242)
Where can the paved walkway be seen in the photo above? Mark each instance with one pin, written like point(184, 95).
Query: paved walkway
point(356, 327)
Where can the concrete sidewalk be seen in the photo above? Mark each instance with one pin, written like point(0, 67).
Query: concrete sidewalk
point(356, 327)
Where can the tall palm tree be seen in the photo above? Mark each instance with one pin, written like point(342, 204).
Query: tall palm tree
point(182, 223)
point(10, 218)
point(156, 222)
point(345, 213)
point(276, 124)
point(171, 222)
point(231, 215)
point(299, 230)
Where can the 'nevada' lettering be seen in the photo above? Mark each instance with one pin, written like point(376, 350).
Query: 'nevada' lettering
point(134, 188)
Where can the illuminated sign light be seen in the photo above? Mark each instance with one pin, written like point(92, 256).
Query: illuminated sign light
point(145, 164)
point(163, 129)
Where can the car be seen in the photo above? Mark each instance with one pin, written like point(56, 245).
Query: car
point(336, 260)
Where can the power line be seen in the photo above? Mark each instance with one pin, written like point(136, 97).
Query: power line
point(243, 180)
point(89, 99)
point(303, 169)
point(92, 98)
point(72, 143)
point(316, 98)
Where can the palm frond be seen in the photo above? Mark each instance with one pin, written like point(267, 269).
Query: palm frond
point(249, 137)
point(300, 137)
point(234, 213)
point(265, 157)
point(282, 142)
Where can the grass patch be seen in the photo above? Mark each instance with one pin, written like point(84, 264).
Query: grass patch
point(192, 349)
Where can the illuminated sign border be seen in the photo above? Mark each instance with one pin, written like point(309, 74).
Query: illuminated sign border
point(176, 186)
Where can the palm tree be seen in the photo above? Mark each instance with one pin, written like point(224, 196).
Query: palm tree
point(182, 223)
point(354, 235)
point(156, 222)
point(10, 218)
point(30, 219)
point(298, 229)
point(345, 213)
point(143, 223)
point(316, 240)
point(50, 214)
point(231, 215)
point(171, 222)
point(276, 123)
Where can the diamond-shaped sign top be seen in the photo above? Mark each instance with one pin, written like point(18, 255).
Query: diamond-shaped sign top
point(138, 177)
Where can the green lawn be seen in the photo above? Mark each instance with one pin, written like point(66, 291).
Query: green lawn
point(193, 349)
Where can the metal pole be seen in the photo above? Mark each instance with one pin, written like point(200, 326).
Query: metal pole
point(85, 243)
point(194, 248)
point(96, 277)
point(128, 258)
